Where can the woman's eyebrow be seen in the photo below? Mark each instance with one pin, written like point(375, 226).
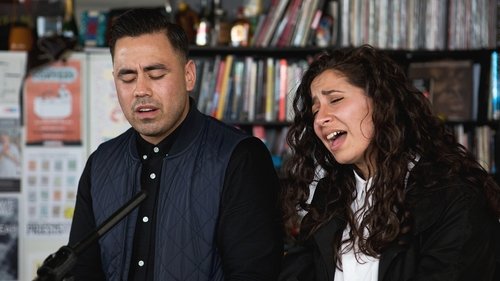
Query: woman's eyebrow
point(327, 92)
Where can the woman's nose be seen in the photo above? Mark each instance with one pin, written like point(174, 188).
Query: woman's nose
point(322, 118)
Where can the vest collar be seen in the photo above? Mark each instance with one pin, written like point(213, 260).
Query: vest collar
point(189, 129)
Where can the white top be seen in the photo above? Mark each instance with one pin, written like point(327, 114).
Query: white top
point(364, 268)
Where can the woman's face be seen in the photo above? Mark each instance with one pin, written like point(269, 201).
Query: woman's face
point(342, 118)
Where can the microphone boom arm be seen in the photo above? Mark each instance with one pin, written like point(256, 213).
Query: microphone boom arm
point(57, 265)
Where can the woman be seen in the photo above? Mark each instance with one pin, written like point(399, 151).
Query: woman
point(400, 198)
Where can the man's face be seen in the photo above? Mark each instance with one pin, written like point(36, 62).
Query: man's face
point(152, 83)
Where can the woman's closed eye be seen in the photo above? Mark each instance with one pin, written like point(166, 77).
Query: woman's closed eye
point(334, 100)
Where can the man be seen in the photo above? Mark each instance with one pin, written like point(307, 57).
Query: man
point(211, 212)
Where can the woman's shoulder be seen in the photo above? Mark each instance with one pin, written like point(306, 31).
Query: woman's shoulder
point(434, 201)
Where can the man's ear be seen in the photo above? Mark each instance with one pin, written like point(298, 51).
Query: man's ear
point(190, 75)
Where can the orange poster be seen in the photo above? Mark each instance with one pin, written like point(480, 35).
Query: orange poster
point(52, 104)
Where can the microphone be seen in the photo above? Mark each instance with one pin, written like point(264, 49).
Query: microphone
point(57, 265)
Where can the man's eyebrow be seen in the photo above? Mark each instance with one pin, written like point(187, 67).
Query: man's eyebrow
point(158, 66)
point(125, 71)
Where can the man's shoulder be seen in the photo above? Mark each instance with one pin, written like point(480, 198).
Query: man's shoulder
point(115, 143)
point(120, 138)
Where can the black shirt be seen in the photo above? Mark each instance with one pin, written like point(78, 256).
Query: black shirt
point(152, 162)
point(249, 234)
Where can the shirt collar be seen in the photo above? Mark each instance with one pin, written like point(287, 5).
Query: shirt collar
point(146, 148)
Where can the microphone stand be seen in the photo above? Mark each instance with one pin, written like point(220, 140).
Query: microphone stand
point(57, 265)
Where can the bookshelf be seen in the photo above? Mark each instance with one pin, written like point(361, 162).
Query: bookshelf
point(476, 129)
point(290, 32)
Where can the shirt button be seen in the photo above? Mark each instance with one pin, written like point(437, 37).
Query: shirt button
point(152, 176)
point(144, 157)
point(145, 219)
point(156, 149)
point(141, 263)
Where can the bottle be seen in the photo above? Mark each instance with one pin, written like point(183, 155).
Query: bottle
point(221, 33)
point(253, 8)
point(21, 37)
point(204, 28)
point(187, 19)
point(69, 27)
point(240, 30)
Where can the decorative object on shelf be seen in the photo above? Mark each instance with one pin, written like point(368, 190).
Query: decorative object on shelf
point(205, 26)
point(69, 26)
point(21, 36)
point(169, 10)
point(450, 86)
point(221, 32)
point(240, 30)
point(188, 19)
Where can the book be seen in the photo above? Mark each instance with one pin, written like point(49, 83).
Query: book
point(494, 99)
point(303, 22)
point(200, 72)
point(283, 86)
point(310, 31)
point(264, 23)
point(212, 111)
point(450, 84)
point(259, 91)
point(269, 90)
point(275, 15)
point(224, 87)
point(252, 89)
point(238, 89)
point(289, 22)
point(206, 78)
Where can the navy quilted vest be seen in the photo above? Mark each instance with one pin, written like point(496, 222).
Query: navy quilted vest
point(188, 206)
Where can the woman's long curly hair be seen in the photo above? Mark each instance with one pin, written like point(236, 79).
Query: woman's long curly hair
point(404, 127)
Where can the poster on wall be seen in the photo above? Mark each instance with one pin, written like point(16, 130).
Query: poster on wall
point(12, 70)
point(106, 117)
point(53, 103)
point(50, 182)
point(10, 154)
point(9, 238)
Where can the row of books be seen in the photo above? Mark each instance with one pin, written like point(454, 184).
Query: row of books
point(386, 24)
point(397, 24)
point(415, 24)
point(275, 140)
point(290, 23)
point(247, 89)
point(482, 141)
